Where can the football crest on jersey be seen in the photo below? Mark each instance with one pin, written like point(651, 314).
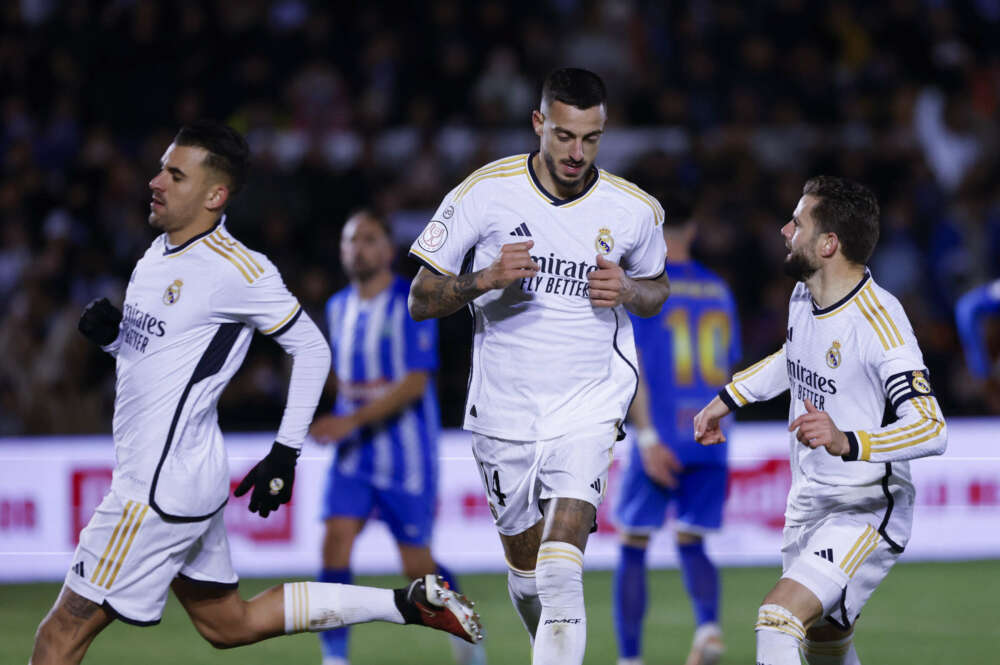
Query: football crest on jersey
point(920, 384)
point(173, 292)
point(433, 236)
point(833, 355)
point(604, 243)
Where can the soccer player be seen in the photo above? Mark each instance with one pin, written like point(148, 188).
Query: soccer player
point(549, 251)
point(970, 312)
point(685, 356)
point(861, 406)
point(191, 307)
point(385, 421)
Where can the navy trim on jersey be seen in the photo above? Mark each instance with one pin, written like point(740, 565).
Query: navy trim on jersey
point(291, 322)
point(121, 617)
point(845, 623)
point(554, 200)
point(209, 584)
point(614, 343)
point(426, 264)
point(896, 547)
point(211, 362)
point(173, 250)
point(854, 292)
point(728, 401)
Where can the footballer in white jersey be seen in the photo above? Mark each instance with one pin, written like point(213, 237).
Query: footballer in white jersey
point(192, 304)
point(548, 251)
point(545, 361)
point(862, 405)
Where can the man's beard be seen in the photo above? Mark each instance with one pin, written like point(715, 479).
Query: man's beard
point(550, 164)
point(798, 267)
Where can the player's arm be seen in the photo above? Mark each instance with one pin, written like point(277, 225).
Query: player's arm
point(761, 381)
point(399, 395)
point(658, 460)
point(610, 286)
point(436, 295)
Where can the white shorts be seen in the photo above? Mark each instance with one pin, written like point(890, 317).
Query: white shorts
point(841, 559)
point(128, 556)
point(518, 475)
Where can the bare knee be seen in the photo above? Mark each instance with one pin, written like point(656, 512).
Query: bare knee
point(521, 550)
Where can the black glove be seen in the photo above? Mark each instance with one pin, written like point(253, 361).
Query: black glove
point(100, 322)
point(271, 480)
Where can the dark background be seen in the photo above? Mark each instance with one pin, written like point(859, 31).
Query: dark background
point(390, 105)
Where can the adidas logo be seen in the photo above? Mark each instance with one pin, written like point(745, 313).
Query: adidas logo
point(521, 230)
point(825, 554)
point(596, 485)
point(78, 568)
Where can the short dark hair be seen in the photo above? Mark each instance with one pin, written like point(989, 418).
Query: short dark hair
point(577, 87)
point(228, 152)
point(848, 209)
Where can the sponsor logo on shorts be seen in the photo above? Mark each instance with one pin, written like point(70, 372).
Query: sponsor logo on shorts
point(596, 485)
point(78, 569)
point(825, 554)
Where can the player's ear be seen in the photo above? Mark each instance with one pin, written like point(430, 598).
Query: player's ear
point(830, 245)
point(217, 197)
point(537, 121)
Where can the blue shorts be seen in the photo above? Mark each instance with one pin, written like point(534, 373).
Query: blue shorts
point(410, 517)
point(698, 498)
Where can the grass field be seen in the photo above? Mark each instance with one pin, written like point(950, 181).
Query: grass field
point(923, 614)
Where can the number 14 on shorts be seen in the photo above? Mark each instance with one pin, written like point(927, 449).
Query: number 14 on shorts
point(493, 488)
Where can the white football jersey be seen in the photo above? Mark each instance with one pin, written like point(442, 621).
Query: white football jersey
point(545, 361)
point(859, 361)
point(188, 317)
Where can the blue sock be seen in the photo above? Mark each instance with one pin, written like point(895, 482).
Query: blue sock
point(629, 599)
point(333, 643)
point(448, 577)
point(701, 579)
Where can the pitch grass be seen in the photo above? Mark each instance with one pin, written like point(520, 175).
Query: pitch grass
point(923, 614)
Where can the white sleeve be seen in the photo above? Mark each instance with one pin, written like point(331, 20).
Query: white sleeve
point(761, 381)
point(263, 302)
point(310, 367)
point(648, 255)
point(453, 230)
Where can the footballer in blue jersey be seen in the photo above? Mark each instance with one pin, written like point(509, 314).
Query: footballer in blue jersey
point(385, 421)
point(971, 311)
point(685, 355)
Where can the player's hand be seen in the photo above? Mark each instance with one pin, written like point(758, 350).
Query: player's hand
point(660, 464)
point(271, 480)
point(706, 423)
point(609, 285)
point(513, 263)
point(99, 322)
point(816, 428)
point(331, 428)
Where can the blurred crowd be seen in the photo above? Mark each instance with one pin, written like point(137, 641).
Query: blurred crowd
point(390, 104)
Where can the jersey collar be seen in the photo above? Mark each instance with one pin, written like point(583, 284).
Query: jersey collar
point(554, 200)
point(167, 251)
point(843, 301)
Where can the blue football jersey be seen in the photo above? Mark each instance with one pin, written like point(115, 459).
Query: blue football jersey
point(376, 342)
point(970, 312)
point(686, 353)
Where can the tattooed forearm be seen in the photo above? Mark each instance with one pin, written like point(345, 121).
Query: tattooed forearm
point(432, 296)
point(650, 295)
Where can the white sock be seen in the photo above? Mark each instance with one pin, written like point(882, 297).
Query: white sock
point(779, 634)
point(837, 652)
point(317, 606)
point(561, 638)
point(524, 595)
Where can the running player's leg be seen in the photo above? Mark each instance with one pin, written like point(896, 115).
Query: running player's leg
point(700, 494)
point(829, 644)
point(338, 542)
point(68, 629)
point(561, 638)
point(641, 508)
point(521, 553)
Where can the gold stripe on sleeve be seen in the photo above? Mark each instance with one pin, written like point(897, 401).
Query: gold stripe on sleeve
point(111, 541)
point(658, 212)
point(436, 266)
point(882, 310)
point(861, 306)
point(753, 369)
point(504, 172)
point(211, 246)
point(881, 317)
point(241, 249)
point(736, 393)
point(285, 320)
point(228, 246)
point(128, 545)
